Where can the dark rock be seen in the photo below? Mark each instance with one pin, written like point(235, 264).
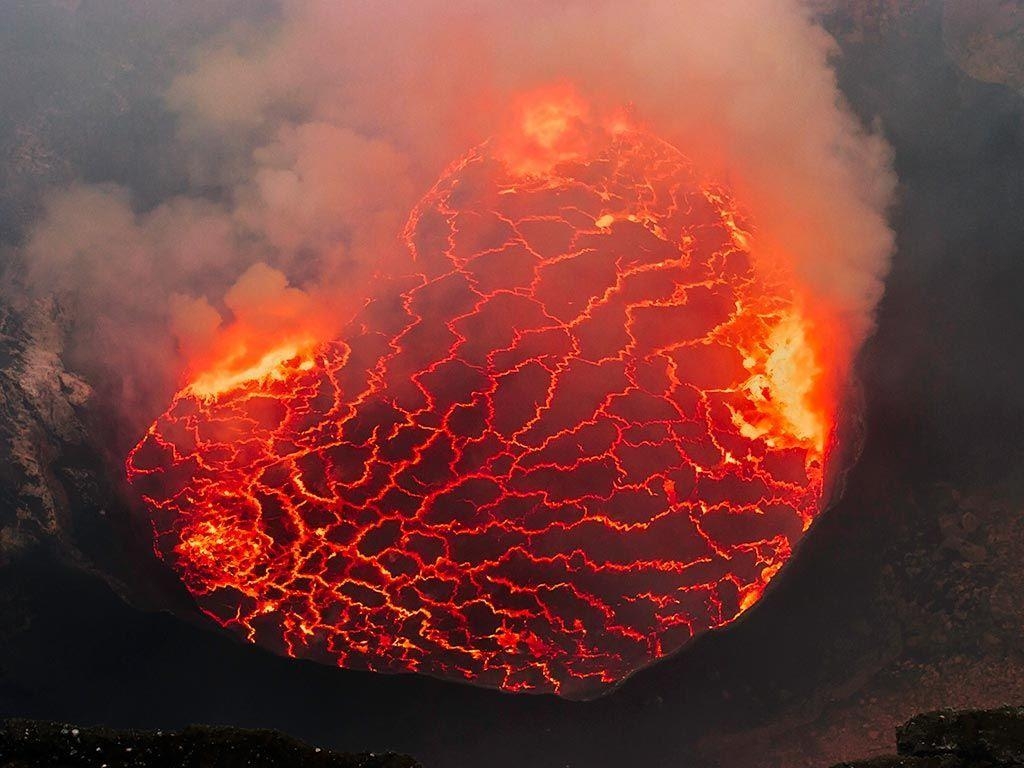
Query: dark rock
point(986, 39)
point(902, 761)
point(991, 738)
point(33, 744)
point(39, 418)
point(996, 735)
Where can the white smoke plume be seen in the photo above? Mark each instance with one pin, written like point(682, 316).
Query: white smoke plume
point(308, 139)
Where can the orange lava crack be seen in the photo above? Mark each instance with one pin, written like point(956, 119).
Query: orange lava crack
point(574, 436)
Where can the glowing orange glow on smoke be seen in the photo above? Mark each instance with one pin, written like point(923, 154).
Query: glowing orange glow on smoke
point(237, 371)
point(550, 127)
point(584, 427)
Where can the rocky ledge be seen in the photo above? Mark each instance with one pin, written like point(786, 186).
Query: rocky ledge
point(32, 744)
point(992, 738)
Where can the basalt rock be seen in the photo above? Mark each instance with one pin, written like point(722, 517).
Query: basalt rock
point(32, 744)
point(995, 735)
point(992, 738)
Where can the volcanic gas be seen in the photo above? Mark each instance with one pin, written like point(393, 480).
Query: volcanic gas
point(585, 425)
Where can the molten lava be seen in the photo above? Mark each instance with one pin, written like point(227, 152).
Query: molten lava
point(584, 428)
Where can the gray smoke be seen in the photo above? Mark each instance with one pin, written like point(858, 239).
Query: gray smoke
point(305, 137)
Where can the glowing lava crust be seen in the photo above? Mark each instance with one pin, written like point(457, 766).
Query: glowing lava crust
point(581, 431)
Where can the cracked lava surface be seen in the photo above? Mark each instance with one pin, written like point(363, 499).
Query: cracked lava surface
point(577, 433)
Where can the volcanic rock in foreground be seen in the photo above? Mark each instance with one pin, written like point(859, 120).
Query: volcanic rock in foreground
point(32, 744)
point(956, 739)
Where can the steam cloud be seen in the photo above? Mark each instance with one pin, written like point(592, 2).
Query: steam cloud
point(309, 138)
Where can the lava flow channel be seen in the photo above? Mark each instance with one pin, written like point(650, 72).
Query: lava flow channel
point(582, 431)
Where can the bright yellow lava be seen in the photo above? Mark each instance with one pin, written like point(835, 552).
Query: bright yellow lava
point(782, 387)
point(230, 376)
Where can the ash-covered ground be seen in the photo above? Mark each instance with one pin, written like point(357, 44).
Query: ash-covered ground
point(907, 596)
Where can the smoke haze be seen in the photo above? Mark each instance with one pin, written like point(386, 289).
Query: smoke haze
point(306, 138)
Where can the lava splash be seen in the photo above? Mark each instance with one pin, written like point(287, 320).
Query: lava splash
point(581, 429)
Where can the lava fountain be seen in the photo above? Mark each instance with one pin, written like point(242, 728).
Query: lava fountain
point(584, 427)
